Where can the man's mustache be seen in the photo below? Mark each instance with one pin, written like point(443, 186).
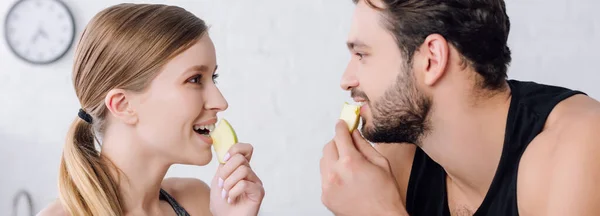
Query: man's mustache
point(358, 93)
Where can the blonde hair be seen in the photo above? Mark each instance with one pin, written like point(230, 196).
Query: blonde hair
point(123, 46)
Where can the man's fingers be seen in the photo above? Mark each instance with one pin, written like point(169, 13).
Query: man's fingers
point(330, 156)
point(365, 148)
point(343, 140)
point(330, 151)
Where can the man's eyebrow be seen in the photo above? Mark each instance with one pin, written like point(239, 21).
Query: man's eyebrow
point(354, 44)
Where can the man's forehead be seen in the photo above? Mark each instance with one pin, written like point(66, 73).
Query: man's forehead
point(365, 23)
point(373, 3)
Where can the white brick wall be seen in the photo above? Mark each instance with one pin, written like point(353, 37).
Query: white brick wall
point(269, 51)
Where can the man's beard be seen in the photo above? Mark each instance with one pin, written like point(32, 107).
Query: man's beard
point(400, 116)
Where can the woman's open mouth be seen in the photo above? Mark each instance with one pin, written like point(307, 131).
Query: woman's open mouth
point(204, 129)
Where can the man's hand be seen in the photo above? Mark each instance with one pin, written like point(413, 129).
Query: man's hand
point(356, 179)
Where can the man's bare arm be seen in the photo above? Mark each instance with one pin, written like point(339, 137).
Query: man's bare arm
point(574, 183)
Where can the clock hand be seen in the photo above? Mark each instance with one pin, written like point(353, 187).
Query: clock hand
point(34, 39)
point(43, 33)
point(39, 33)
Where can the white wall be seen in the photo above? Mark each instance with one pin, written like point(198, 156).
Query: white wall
point(269, 52)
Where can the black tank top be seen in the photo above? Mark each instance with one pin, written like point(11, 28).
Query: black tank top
point(530, 105)
point(179, 210)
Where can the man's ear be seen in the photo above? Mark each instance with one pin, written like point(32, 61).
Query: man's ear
point(119, 106)
point(436, 52)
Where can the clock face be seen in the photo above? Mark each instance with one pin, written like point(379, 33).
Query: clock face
point(39, 31)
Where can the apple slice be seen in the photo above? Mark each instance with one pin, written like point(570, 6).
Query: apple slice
point(223, 138)
point(350, 114)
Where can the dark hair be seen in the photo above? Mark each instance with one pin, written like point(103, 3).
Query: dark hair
point(477, 28)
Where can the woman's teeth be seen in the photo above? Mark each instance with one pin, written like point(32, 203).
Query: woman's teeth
point(204, 129)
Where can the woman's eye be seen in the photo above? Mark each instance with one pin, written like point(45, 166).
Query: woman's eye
point(214, 78)
point(195, 79)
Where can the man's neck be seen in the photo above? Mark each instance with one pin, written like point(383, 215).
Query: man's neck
point(467, 138)
point(139, 174)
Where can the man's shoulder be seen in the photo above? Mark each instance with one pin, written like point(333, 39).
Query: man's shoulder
point(571, 130)
point(562, 160)
point(575, 120)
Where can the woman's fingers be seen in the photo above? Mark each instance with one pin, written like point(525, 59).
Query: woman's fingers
point(244, 149)
point(231, 165)
point(250, 190)
point(241, 173)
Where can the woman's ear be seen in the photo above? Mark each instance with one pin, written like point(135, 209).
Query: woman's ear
point(119, 106)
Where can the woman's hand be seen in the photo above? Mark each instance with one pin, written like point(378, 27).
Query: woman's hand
point(236, 189)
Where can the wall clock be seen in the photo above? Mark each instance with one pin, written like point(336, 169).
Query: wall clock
point(39, 31)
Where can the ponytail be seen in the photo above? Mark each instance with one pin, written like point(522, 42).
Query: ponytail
point(115, 51)
point(85, 183)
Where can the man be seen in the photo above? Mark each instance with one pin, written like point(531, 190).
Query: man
point(432, 76)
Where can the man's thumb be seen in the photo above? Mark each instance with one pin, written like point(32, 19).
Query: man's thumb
point(366, 149)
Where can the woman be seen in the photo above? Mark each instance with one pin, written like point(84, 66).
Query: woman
point(144, 75)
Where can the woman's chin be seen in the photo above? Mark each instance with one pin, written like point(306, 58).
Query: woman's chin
point(202, 159)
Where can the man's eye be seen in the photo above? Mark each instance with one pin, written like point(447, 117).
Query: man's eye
point(360, 55)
